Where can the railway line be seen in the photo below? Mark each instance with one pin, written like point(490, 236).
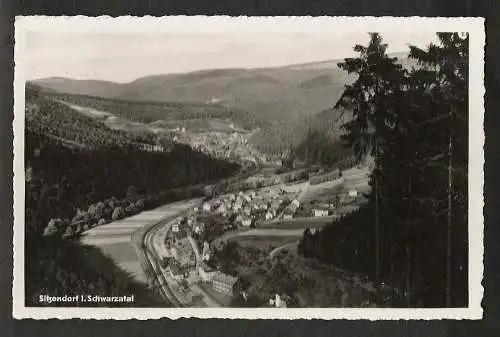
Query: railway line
point(149, 259)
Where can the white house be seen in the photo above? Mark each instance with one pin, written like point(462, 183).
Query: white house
point(287, 216)
point(206, 273)
point(206, 251)
point(269, 216)
point(222, 209)
point(206, 207)
point(175, 227)
point(295, 203)
point(246, 222)
point(353, 193)
point(320, 212)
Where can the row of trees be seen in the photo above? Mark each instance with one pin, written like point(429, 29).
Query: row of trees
point(414, 123)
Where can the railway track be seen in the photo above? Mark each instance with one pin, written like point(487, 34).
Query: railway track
point(149, 259)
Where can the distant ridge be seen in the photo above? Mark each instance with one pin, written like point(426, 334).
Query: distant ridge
point(283, 95)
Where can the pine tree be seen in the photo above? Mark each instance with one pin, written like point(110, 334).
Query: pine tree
point(367, 98)
point(445, 70)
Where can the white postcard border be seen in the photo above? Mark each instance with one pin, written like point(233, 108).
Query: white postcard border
point(256, 25)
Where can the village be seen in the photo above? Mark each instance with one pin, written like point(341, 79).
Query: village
point(233, 146)
point(185, 246)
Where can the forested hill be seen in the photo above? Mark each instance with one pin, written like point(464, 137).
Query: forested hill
point(88, 162)
point(277, 94)
point(79, 174)
point(153, 111)
point(56, 120)
point(278, 138)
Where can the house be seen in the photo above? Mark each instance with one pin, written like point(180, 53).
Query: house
point(277, 302)
point(353, 193)
point(222, 209)
point(246, 222)
point(176, 271)
point(198, 228)
point(238, 204)
point(173, 252)
point(239, 219)
point(206, 273)
point(269, 216)
point(206, 256)
point(227, 284)
point(206, 247)
point(289, 213)
point(175, 227)
point(295, 203)
point(320, 212)
point(206, 207)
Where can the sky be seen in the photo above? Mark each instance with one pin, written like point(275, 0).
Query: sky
point(126, 57)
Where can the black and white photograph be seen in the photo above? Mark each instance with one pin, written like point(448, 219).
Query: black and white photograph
point(248, 167)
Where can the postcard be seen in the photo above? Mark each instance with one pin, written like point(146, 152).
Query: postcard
point(248, 167)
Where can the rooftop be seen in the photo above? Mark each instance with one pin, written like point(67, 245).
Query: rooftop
point(224, 278)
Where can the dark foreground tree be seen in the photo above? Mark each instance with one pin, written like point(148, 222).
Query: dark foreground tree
point(378, 76)
point(418, 132)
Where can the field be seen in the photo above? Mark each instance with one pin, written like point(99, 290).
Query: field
point(265, 243)
point(298, 223)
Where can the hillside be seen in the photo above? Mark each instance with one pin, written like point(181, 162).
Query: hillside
point(80, 87)
point(81, 174)
point(278, 138)
point(173, 114)
point(275, 94)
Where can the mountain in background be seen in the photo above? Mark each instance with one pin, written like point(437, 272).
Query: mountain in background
point(283, 102)
point(279, 94)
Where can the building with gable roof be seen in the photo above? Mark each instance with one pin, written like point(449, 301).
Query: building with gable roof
point(224, 283)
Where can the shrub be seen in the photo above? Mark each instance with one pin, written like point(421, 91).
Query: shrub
point(118, 214)
point(139, 204)
point(131, 209)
